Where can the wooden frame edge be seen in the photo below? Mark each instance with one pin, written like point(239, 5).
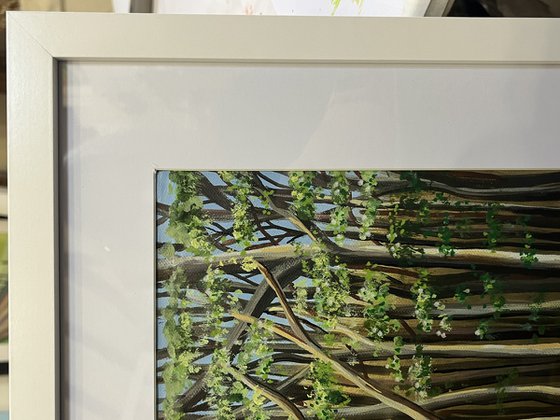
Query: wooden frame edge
point(33, 234)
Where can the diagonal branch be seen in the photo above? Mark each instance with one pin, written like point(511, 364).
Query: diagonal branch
point(386, 396)
point(281, 401)
point(292, 318)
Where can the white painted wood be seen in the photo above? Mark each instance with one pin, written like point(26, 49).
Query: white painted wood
point(37, 40)
point(294, 39)
point(33, 266)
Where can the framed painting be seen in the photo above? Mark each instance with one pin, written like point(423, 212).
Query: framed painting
point(275, 217)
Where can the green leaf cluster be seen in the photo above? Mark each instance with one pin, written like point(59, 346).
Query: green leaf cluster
point(492, 288)
point(326, 394)
point(301, 296)
point(394, 362)
point(425, 299)
point(462, 294)
point(483, 329)
point(420, 374)
point(303, 193)
point(368, 183)
point(415, 183)
point(340, 191)
point(256, 406)
point(187, 221)
point(221, 389)
point(528, 253)
point(257, 347)
point(217, 290)
point(181, 345)
point(401, 228)
point(339, 223)
point(240, 187)
point(494, 232)
point(332, 286)
point(375, 292)
point(445, 234)
point(220, 385)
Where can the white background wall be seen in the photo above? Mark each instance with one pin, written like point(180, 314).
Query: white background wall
point(295, 7)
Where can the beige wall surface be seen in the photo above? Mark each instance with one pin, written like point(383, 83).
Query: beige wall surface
point(3, 148)
point(68, 5)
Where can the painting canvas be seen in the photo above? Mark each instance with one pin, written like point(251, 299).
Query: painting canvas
point(358, 294)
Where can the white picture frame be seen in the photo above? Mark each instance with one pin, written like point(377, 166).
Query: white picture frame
point(39, 42)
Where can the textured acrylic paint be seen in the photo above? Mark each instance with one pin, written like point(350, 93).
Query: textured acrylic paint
point(358, 294)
